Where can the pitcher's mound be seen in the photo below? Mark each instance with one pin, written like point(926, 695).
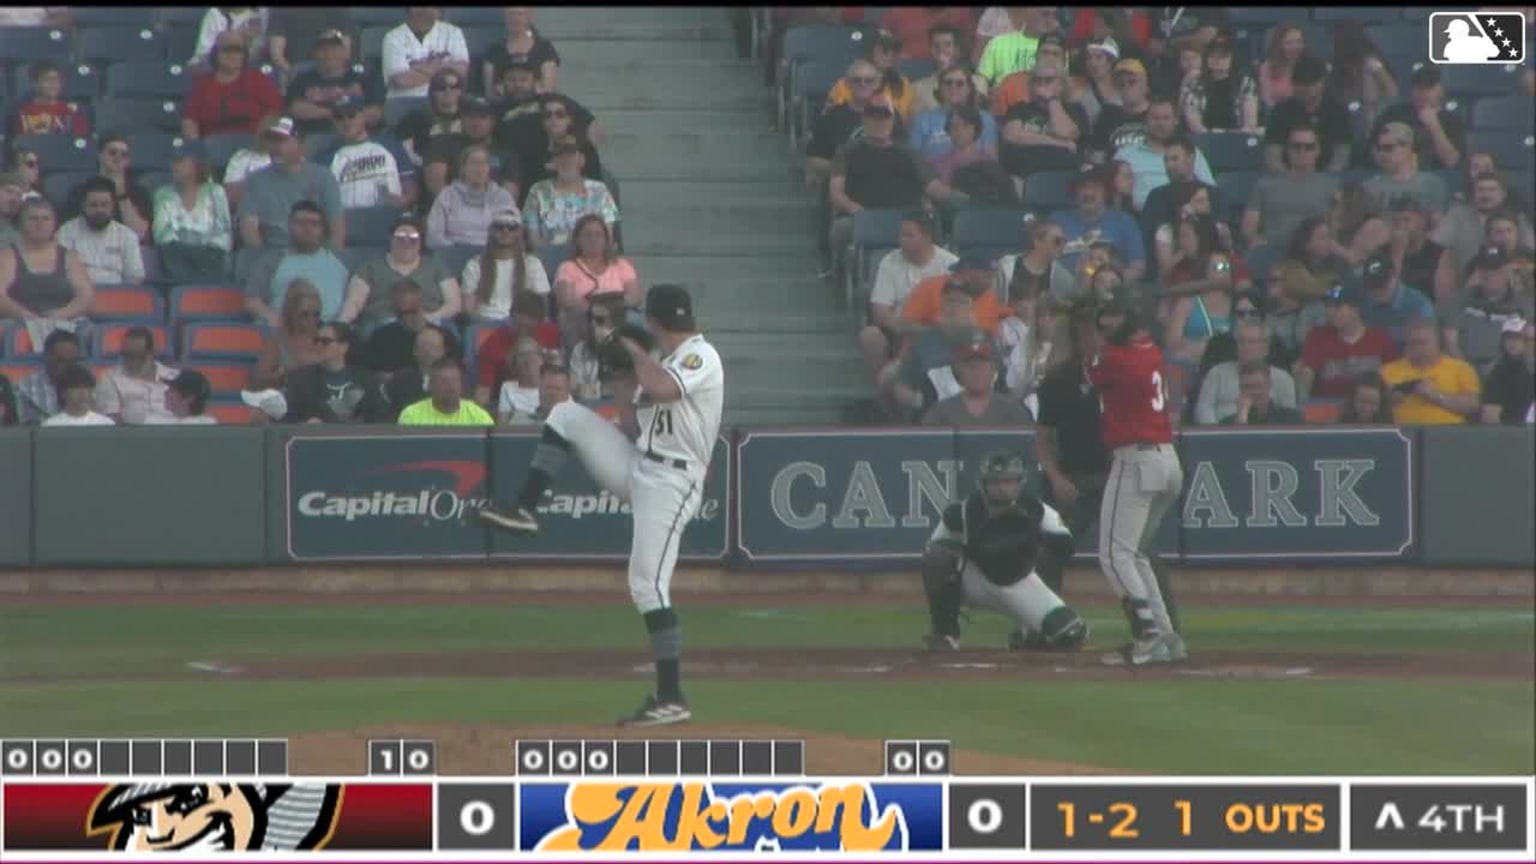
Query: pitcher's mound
point(464, 750)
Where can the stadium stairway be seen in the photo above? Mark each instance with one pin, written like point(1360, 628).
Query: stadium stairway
point(711, 198)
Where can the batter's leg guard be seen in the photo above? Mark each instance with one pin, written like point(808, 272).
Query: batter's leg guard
point(1139, 614)
point(941, 582)
point(1063, 629)
point(1165, 585)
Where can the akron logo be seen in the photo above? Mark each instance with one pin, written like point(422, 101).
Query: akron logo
point(216, 817)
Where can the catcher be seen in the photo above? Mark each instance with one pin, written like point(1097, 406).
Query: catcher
point(984, 553)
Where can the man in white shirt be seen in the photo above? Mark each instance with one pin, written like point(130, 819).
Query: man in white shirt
point(108, 248)
point(134, 392)
point(368, 171)
point(77, 389)
point(900, 270)
point(418, 49)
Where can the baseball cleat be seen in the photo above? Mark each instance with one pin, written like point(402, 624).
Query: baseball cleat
point(1177, 650)
point(517, 520)
point(1149, 650)
point(941, 643)
point(657, 712)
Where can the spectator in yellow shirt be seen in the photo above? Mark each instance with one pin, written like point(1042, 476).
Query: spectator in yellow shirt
point(883, 51)
point(1428, 388)
point(446, 405)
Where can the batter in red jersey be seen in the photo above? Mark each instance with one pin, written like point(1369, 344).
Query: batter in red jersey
point(1144, 481)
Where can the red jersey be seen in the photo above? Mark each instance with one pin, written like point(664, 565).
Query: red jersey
point(1133, 401)
point(495, 353)
point(1336, 362)
point(51, 118)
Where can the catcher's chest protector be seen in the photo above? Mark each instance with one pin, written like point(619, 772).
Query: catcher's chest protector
point(1002, 543)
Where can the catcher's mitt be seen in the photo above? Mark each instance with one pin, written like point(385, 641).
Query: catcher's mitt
point(613, 358)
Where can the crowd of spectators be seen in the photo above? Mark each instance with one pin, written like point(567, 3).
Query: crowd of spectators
point(1362, 259)
point(412, 234)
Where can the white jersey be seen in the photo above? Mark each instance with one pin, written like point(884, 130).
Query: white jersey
point(367, 174)
point(402, 51)
point(685, 429)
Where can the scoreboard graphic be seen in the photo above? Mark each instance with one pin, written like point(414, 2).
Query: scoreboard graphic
point(80, 801)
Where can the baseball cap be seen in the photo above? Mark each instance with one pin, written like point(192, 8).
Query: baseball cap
point(269, 402)
point(1052, 39)
point(1107, 45)
point(1514, 326)
point(330, 37)
point(1220, 46)
point(972, 261)
point(1308, 70)
point(1132, 66)
point(346, 107)
point(670, 305)
point(1490, 257)
point(1085, 172)
point(1426, 76)
point(192, 384)
point(1377, 270)
point(187, 150)
point(282, 127)
point(474, 105)
point(1339, 293)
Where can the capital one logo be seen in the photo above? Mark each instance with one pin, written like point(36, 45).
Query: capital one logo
point(426, 499)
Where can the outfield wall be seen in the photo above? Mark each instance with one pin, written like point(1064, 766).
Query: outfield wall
point(231, 497)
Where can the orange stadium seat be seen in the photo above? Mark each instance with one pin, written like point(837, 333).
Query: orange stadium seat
point(15, 372)
point(220, 341)
point(18, 343)
point(108, 341)
point(226, 378)
point(1322, 411)
point(127, 302)
point(207, 303)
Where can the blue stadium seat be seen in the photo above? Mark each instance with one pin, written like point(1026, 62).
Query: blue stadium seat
point(550, 256)
point(1266, 14)
point(22, 45)
point(1048, 190)
point(916, 69)
point(218, 149)
point(808, 93)
point(455, 257)
point(163, 115)
point(834, 42)
point(484, 17)
point(1236, 186)
point(60, 152)
point(371, 43)
point(153, 148)
point(107, 16)
point(1504, 112)
point(152, 180)
point(182, 14)
point(1511, 151)
point(58, 185)
point(1395, 37)
point(480, 39)
point(82, 83)
point(370, 225)
point(399, 108)
point(120, 43)
point(379, 16)
point(989, 227)
point(1231, 151)
point(356, 256)
point(318, 143)
point(180, 41)
point(1479, 81)
point(148, 78)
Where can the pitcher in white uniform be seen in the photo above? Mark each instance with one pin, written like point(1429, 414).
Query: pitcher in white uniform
point(655, 459)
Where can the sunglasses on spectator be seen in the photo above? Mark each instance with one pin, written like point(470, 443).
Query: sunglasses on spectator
point(507, 226)
point(955, 82)
point(863, 79)
point(1302, 145)
point(407, 236)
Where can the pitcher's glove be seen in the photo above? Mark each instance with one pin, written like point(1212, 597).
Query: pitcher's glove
point(613, 358)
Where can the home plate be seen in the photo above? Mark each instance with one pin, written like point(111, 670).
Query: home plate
point(212, 668)
point(1247, 672)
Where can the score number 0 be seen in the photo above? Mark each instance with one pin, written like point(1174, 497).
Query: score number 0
point(415, 759)
point(1125, 827)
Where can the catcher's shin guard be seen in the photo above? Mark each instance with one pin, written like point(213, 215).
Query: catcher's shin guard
point(941, 582)
point(1063, 629)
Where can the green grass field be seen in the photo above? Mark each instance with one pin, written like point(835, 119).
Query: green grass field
point(1224, 726)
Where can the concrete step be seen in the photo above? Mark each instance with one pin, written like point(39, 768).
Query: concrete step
point(716, 216)
point(708, 152)
point(647, 238)
point(597, 28)
point(770, 305)
point(700, 271)
point(711, 193)
point(697, 96)
point(655, 122)
point(666, 72)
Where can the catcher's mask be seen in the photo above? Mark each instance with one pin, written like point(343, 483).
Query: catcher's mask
point(1001, 478)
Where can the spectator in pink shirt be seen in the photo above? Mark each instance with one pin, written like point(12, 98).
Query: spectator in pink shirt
point(594, 268)
point(1286, 42)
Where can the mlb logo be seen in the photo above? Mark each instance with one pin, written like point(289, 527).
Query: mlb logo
point(1477, 38)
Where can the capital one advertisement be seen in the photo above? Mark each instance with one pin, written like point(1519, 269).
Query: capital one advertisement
point(393, 498)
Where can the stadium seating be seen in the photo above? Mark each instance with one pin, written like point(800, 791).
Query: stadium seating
point(1475, 81)
point(107, 341)
point(163, 115)
point(1504, 112)
point(1322, 411)
point(125, 302)
point(153, 148)
point(193, 303)
point(57, 185)
point(181, 14)
point(1513, 152)
point(223, 341)
point(148, 78)
point(225, 379)
point(117, 43)
point(15, 370)
point(989, 228)
point(455, 257)
point(219, 149)
point(371, 224)
point(18, 343)
point(1231, 151)
point(371, 43)
point(60, 152)
point(22, 45)
point(551, 257)
point(378, 16)
point(1048, 190)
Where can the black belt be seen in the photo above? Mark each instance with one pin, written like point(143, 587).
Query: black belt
point(1145, 446)
point(679, 464)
